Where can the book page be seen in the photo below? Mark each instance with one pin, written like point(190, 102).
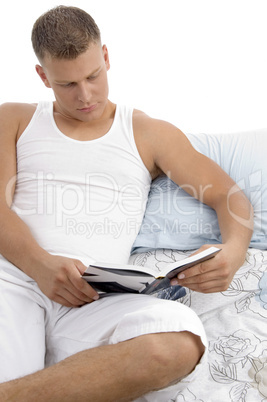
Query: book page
point(172, 269)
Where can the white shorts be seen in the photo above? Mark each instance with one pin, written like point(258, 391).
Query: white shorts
point(36, 332)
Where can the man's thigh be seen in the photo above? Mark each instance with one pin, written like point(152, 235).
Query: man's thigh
point(22, 332)
point(115, 319)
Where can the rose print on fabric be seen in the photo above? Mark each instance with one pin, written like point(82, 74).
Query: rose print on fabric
point(236, 326)
point(240, 358)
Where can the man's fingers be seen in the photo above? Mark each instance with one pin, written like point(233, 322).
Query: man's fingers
point(208, 282)
point(191, 275)
point(81, 289)
point(68, 298)
point(80, 266)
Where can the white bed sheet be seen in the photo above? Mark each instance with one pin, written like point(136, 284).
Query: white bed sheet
point(236, 325)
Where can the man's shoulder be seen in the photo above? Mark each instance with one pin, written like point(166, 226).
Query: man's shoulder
point(15, 108)
point(144, 123)
point(14, 117)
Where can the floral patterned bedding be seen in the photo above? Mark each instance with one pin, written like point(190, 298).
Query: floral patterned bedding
point(236, 327)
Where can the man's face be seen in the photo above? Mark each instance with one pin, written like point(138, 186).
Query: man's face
point(80, 85)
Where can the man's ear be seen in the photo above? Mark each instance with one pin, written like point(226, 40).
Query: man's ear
point(42, 75)
point(106, 56)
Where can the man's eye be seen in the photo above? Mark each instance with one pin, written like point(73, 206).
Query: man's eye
point(92, 77)
point(69, 84)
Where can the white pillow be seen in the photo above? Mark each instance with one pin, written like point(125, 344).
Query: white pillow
point(174, 219)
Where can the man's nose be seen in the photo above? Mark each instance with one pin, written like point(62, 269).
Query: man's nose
point(84, 93)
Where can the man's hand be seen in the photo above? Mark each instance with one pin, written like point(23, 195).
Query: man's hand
point(215, 274)
point(60, 280)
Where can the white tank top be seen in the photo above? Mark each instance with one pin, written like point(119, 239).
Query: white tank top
point(81, 199)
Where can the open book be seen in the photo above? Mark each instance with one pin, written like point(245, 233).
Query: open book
point(119, 278)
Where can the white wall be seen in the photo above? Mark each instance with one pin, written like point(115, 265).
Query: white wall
point(200, 64)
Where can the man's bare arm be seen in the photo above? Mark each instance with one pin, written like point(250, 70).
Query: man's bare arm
point(58, 277)
point(166, 149)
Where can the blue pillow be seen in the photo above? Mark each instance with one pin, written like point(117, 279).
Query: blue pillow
point(174, 219)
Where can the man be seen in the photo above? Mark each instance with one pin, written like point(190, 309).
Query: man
point(83, 163)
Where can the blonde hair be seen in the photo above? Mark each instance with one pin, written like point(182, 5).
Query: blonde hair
point(64, 33)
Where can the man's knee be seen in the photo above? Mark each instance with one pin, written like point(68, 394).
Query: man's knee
point(171, 356)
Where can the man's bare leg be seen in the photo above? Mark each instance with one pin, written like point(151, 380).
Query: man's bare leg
point(121, 372)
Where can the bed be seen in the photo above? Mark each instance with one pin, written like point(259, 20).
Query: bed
point(174, 225)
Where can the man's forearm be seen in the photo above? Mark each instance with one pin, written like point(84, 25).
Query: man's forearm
point(235, 216)
point(17, 243)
